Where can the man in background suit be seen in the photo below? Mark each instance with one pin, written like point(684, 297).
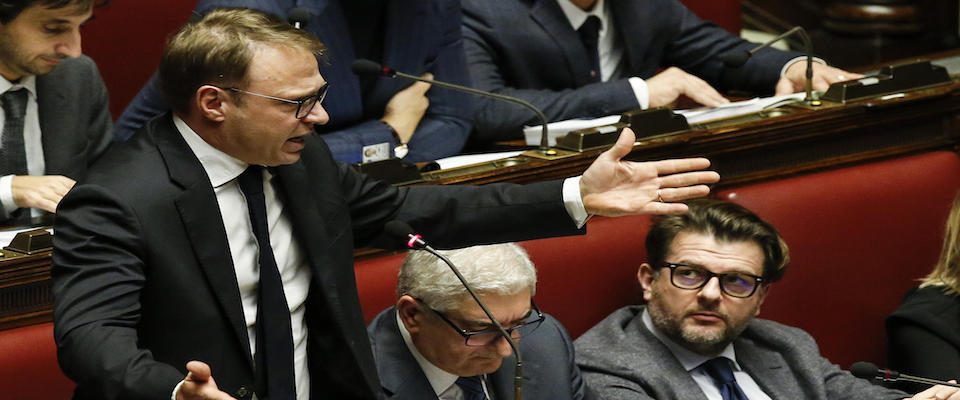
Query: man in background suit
point(56, 119)
point(537, 50)
point(437, 340)
point(218, 241)
point(413, 36)
point(697, 337)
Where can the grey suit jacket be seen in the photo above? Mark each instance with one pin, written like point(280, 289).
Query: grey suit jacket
point(621, 359)
point(548, 365)
point(527, 49)
point(74, 115)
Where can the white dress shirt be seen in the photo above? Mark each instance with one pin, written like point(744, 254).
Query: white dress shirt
point(691, 361)
point(444, 384)
point(222, 169)
point(33, 146)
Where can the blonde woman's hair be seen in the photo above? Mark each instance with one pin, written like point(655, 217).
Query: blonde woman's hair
point(947, 271)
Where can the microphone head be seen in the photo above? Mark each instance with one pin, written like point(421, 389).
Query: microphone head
point(366, 67)
point(735, 59)
point(398, 229)
point(299, 17)
point(865, 370)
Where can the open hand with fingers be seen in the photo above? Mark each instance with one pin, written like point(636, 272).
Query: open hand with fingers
point(613, 187)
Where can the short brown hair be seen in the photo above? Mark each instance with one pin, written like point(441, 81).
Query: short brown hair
point(10, 9)
point(725, 221)
point(218, 48)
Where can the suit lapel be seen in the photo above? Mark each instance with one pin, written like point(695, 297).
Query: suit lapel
point(634, 40)
point(400, 375)
point(550, 17)
point(200, 216)
point(50, 103)
point(769, 370)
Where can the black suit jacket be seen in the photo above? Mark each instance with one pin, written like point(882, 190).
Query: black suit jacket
point(74, 113)
point(527, 49)
point(548, 365)
point(144, 282)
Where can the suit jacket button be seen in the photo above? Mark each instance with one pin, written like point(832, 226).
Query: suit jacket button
point(243, 392)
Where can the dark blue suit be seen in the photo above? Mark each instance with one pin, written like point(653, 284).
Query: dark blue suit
point(420, 36)
point(548, 365)
point(527, 49)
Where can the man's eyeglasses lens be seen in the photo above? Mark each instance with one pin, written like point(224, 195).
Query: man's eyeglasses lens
point(488, 336)
point(734, 284)
point(307, 104)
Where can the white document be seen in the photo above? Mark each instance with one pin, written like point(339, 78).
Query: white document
point(561, 128)
point(459, 161)
point(703, 114)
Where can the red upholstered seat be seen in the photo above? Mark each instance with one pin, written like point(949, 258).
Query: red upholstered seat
point(28, 365)
point(859, 238)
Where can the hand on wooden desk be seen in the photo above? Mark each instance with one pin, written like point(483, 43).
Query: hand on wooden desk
point(614, 187)
point(794, 79)
point(42, 192)
point(666, 87)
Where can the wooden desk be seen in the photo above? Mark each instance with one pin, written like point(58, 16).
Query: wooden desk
point(783, 142)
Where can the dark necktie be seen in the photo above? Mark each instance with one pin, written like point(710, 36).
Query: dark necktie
point(472, 388)
point(13, 157)
point(274, 347)
point(722, 375)
point(589, 35)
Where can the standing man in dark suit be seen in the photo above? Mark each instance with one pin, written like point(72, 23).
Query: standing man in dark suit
point(413, 36)
point(708, 273)
point(437, 340)
point(55, 113)
point(218, 241)
point(592, 58)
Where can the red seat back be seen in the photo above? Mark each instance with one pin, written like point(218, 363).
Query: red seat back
point(28, 365)
point(859, 238)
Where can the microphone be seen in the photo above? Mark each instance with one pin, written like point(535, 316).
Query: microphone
point(299, 17)
point(367, 67)
point(868, 371)
point(400, 229)
point(738, 58)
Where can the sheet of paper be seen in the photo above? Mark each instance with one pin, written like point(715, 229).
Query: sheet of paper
point(733, 109)
point(561, 128)
point(459, 161)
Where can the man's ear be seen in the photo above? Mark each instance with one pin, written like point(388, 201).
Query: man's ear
point(209, 101)
point(645, 276)
point(410, 313)
point(763, 290)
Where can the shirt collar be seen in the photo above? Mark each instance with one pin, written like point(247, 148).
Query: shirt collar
point(687, 358)
point(439, 379)
point(219, 166)
point(577, 16)
point(28, 82)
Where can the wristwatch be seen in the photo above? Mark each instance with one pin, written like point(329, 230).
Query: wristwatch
point(401, 150)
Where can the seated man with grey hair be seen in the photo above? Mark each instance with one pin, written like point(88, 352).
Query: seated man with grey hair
point(437, 342)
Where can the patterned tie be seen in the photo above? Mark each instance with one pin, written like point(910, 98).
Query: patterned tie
point(13, 157)
point(719, 369)
point(472, 388)
point(274, 347)
point(589, 35)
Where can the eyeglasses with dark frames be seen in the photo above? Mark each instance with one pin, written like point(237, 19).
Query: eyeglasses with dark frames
point(488, 336)
point(733, 284)
point(304, 105)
